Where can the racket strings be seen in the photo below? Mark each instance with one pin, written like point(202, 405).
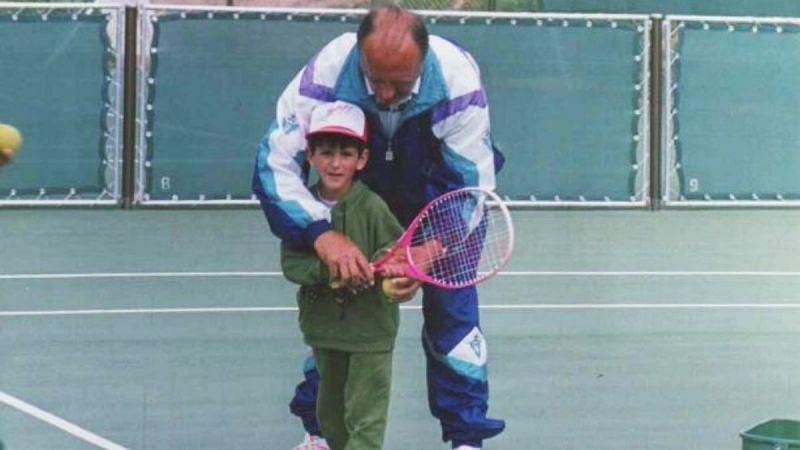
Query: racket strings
point(471, 239)
point(477, 255)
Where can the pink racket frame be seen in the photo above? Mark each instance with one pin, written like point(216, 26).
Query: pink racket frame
point(404, 243)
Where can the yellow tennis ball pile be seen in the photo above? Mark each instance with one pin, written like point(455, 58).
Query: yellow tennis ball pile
point(10, 137)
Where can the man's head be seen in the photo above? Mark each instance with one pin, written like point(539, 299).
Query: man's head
point(393, 43)
point(337, 146)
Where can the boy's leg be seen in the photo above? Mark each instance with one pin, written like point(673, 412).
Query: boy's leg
point(367, 399)
point(333, 367)
point(304, 402)
point(456, 353)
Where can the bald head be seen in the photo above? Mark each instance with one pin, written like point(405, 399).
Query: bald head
point(392, 42)
point(392, 25)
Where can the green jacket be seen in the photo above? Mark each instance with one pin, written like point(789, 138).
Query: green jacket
point(360, 323)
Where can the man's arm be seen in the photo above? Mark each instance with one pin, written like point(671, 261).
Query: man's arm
point(294, 215)
point(462, 123)
point(345, 261)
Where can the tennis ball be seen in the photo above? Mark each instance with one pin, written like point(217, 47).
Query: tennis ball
point(10, 137)
point(387, 286)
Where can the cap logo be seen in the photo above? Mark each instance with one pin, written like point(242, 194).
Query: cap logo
point(340, 118)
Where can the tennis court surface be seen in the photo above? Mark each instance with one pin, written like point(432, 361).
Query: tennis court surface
point(153, 329)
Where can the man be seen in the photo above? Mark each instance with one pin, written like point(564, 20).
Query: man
point(428, 133)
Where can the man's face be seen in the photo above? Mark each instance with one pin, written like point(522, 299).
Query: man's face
point(391, 73)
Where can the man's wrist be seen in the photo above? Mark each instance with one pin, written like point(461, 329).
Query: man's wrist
point(314, 230)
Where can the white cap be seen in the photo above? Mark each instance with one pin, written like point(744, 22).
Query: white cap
point(340, 118)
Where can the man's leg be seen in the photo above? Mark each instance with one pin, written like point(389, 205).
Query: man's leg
point(456, 352)
point(304, 403)
point(367, 399)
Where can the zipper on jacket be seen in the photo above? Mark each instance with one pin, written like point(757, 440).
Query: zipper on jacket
point(343, 305)
point(389, 152)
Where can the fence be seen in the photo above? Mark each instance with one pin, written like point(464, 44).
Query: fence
point(574, 99)
point(733, 109)
point(61, 84)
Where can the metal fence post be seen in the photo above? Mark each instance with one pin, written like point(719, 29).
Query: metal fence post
point(129, 111)
point(656, 104)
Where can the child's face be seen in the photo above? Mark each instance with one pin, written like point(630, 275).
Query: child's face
point(337, 167)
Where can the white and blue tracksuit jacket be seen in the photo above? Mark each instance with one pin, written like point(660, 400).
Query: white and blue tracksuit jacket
point(443, 143)
point(453, 151)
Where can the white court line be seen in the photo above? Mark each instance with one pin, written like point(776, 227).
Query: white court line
point(649, 306)
point(652, 273)
point(58, 422)
point(280, 309)
point(100, 312)
point(533, 273)
point(66, 276)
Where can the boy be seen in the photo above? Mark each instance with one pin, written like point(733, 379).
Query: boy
point(351, 335)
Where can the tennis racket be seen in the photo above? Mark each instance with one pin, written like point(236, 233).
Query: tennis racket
point(459, 239)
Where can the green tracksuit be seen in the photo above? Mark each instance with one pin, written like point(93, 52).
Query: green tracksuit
point(352, 336)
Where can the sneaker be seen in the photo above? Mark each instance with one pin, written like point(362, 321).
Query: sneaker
point(466, 447)
point(312, 443)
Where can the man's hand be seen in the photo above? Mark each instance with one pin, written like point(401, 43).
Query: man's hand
point(395, 266)
point(344, 259)
point(425, 254)
point(402, 289)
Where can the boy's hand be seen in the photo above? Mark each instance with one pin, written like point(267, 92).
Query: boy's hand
point(401, 289)
point(344, 259)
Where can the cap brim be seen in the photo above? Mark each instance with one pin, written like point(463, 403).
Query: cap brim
point(337, 130)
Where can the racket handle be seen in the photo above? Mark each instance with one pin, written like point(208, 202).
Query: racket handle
point(336, 284)
point(387, 284)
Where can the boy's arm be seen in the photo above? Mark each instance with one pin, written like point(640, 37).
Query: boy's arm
point(302, 267)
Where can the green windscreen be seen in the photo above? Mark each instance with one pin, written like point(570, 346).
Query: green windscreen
point(563, 100)
point(737, 110)
point(696, 7)
point(57, 78)
point(216, 81)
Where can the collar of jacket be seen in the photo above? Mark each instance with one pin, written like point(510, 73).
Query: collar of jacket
point(356, 191)
point(351, 87)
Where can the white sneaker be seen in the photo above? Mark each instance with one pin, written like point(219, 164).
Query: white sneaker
point(466, 447)
point(312, 443)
